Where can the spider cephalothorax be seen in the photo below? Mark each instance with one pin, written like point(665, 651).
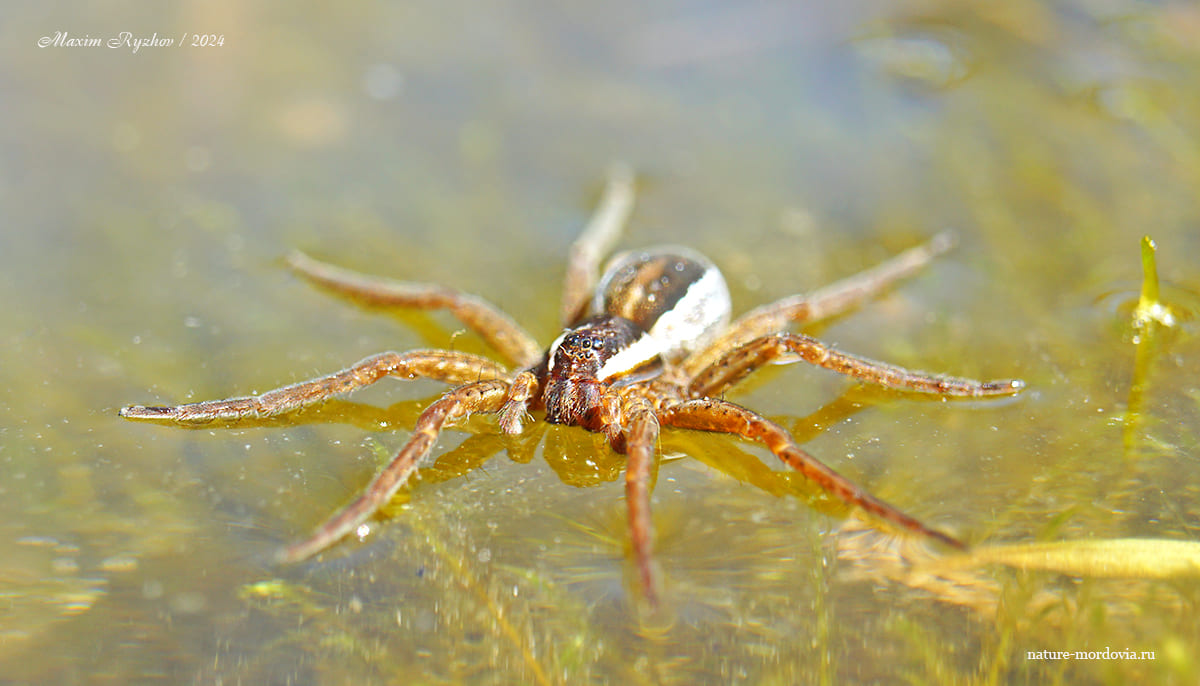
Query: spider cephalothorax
point(648, 344)
point(575, 374)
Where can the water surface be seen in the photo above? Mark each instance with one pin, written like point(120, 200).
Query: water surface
point(148, 198)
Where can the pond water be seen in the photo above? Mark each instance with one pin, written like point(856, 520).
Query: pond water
point(149, 196)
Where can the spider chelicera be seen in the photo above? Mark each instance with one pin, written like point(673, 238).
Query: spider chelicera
point(648, 344)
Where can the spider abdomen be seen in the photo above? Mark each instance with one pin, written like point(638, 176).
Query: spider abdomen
point(676, 295)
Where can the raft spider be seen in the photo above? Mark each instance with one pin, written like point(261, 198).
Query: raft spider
point(647, 345)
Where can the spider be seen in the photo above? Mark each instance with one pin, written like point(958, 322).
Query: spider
point(648, 344)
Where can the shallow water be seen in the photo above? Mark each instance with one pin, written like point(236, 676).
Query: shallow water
point(149, 196)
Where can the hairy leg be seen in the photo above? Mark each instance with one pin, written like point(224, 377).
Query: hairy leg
point(480, 396)
point(739, 363)
point(596, 241)
point(724, 417)
point(482, 317)
point(516, 407)
point(439, 365)
point(641, 444)
point(829, 301)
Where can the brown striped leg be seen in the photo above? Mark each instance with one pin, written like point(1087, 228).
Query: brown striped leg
point(641, 444)
point(739, 363)
point(479, 396)
point(823, 303)
point(439, 365)
point(606, 225)
point(482, 317)
point(720, 416)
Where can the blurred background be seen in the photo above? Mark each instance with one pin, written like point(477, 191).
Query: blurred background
point(148, 197)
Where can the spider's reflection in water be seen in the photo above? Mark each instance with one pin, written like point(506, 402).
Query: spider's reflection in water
point(589, 554)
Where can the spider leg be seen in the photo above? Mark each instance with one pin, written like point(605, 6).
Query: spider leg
point(739, 363)
point(479, 396)
point(641, 444)
point(495, 327)
point(596, 241)
point(516, 407)
point(830, 301)
point(440, 365)
point(710, 414)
